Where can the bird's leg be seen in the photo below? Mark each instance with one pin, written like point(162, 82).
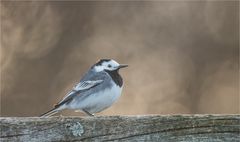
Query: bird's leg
point(88, 113)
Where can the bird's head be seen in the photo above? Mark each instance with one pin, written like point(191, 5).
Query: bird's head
point(108, 65)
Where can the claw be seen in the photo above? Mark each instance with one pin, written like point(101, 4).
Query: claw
point(88, 113)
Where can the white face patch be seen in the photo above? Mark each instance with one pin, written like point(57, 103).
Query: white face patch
point(107, 65)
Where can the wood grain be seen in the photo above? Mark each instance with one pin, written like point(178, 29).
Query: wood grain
point(167, 128)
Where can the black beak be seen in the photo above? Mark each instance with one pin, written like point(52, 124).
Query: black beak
point(122, 66)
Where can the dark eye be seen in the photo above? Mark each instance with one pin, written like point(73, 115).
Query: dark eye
point(109, 66)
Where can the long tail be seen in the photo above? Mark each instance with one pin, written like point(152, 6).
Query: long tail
point(50, 112)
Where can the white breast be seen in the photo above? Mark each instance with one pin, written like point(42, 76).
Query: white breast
point(100, 100)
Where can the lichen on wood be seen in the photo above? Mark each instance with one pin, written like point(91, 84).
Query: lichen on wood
point(166, 128)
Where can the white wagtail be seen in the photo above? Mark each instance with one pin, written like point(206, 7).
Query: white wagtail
point(99, 88)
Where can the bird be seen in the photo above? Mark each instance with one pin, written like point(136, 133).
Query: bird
point(97, 90)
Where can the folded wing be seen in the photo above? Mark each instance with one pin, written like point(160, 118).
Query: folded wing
point(81, 86)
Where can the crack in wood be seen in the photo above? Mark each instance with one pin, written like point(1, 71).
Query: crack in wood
point(16, 135)
point(163, 131)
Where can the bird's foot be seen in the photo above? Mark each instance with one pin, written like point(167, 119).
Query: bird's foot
point(88, 113)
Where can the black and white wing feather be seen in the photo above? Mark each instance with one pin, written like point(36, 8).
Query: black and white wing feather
point(86, 85)
point(90, 80)
point(81, 86)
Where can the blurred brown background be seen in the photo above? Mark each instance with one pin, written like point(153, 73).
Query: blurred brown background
point(183, 55)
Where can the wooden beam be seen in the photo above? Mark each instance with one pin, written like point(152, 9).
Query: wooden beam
point(167, 128)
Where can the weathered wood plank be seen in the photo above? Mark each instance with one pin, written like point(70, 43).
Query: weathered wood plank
point(168, 128)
